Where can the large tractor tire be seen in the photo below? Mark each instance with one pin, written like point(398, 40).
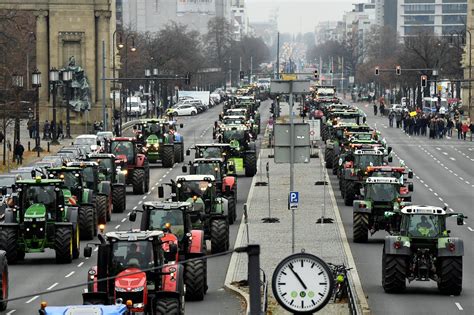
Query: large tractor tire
point(63, 245)
point(86, 222)
point(167, 306)
point(4, 282)
point(394, 273)
point(450, 275)
point(349, 193)
point(147, 177)
point(76, 243)
point(250, 164)
point(219, 236)
point(119, 199)
point(360, 227)
point(195, 280)
point(138, 181)
point(9, 243)
point(178, 153)
point(329, 158)
point(232, 214)
point(167, 156)
point(101, 205)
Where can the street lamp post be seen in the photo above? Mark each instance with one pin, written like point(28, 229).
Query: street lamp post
point(17, 83)
point(120, 46)
point(157, 91)
point(147, 88)
point(36, 83)
point(54, 80)
point(132, 49)
point(67, 79)
point(464, 33)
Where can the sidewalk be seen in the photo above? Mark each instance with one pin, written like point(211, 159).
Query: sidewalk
point(327, 241)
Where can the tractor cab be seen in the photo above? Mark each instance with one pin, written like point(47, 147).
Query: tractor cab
point(124, 149)
point(212, 150)
point(109, 166)
point(198, 190)
point(72, 179)
point(40, 200)
point(127, 259)
point(366, 158)
point(89, 172)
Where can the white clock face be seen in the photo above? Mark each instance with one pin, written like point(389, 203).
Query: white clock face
point(302, 283)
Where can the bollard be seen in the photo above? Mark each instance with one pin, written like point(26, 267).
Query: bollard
point(29, 146)
point(48, 146)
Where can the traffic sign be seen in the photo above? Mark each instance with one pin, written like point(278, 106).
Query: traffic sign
point(293, 199)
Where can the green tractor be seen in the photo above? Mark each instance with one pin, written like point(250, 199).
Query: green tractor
point(38, 218)
point(423, 250)
point(76, 192)
point(380, 207)
point(161, 140)
point(226, 185)
point(111, 176)
point(210, 212)
point(242, 153)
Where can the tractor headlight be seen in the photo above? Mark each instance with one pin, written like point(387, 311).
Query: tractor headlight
point(138, 289)
point(156, 145)
point(148, 145)
point(118, 289)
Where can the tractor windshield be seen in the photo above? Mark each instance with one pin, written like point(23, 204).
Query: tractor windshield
point(122, 148)
point(105, 164)
point(210, 152)
point(234, 135)
point(151, 129)
point(70, 179)
point(45, 195)
point(233, 121)
point(159, 218)
point(88, 176)
point(190, 189)
point(364, 160)
point(381, 192)
point(208, 169)
point(137, 254)
point(424, 226)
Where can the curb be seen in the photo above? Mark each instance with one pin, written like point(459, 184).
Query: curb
point(363, 305)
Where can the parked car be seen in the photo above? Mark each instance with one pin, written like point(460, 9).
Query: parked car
point(182, 109)
point(7, 187)
point(54, 159)
point(133, 106)
point(199, 105)
point(87, 142)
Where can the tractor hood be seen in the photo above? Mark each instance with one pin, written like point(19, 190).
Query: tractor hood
point(35, 211)
point(130, 280)
point(152, 139)
point(87, 309)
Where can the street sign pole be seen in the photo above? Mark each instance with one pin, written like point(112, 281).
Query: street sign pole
point(292, 162)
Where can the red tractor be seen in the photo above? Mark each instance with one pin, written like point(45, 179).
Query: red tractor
point(129, 152)
point(174, 219)
point(399, 172)
point(131, 269)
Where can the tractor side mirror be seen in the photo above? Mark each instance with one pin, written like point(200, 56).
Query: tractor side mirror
point(98, 143)
point(133, 216)
point(410, 174)
point(389, 149)
point(33, 174)
point(184, 169)
point(227, 188)
point(214, 136)
point(87, 251)
point(232, 168)
point(173, 249)
point(181, 125)
point(135, 127)
point(390, 159)
point(460, 219)
point(188, 152)
point(161, 192)
point(410, 187)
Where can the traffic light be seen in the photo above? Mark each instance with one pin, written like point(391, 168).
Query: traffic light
point(187, 80)
point(424, 81)
point(316, 74)
point(241, 75)
point(377, 72)
point(398, 70)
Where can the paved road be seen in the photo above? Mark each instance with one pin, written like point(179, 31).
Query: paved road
point(444, 176)
point(39, 272)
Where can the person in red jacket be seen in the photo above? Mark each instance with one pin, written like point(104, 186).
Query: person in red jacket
point(464, 129)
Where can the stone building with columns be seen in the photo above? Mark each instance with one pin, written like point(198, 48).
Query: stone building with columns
point(468, 105)
point(72, 28)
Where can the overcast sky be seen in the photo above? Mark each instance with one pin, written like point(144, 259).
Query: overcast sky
point(296, 16)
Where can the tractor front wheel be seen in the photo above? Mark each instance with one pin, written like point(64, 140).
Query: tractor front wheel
point(329, 158)
point(167, 306)
point(250, 164)
point(9, 243)
point(118, 198)
point(63, 245)
point(178, 152)
point(349, 193)
point(195, 280)
point(450, 275)
point(138, 181)
point(232, 215)
point(86, 222)
point(219, 236)
point(393, 273)
point(360, 227)
point(3, 284)
point(167, 156)
point(101, 203)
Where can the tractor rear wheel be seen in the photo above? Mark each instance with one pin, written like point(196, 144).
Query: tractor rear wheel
point(101, 203)
point(63, 245)
point(86, 222)
point(3, 284)
point(393, 273)
point(232, 215)
point(118, 199)
point(178, 152)
point(219, 236)
point(9, 243)
point(360, 227)
point(167, 306)
point(349, 193)
point(250, 164)
point(138, 181)
point(76, 243)
point(195, 280)
point(329, 158)
point(450, 275)
point(167, 156)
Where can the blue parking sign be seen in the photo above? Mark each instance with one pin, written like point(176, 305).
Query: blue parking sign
point(293, 199)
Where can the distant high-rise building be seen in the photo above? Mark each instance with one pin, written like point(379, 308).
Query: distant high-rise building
point(239, 19)
point(154, 15)
point(386, 13)
point(440, 17)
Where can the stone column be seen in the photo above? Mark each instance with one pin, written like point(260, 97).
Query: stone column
point(42, 53)
point(103, 34)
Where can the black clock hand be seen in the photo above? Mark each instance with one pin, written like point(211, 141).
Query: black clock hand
point(298, 277)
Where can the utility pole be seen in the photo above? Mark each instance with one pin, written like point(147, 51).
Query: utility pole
point(342, 73)
point(104, 114)
point(292, 166)
point(251, 69)
point(240, 70)
point(277, 77)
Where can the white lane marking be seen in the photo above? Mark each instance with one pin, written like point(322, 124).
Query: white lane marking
point(436, 194)
point(455, 174)
point(123, 220)
point(163, 176)
point(52, 286)
point(69, 274)
point(437, 148)
point(172, 168)
point(461, 178)
point(451, 209)
point(470, 229)
point(445, 168)
point(148, 193)
point(426, 185)
point(451, 158)
point(117, 226)
point(459, 306)
point(11, 312)
point(430, 189)
point(446, 204)
point(96, 248)
point(468, 183)
point(32, 299)
point(445, 153)
point(440, 199)
point(422, 181)
point(153, 188)
point(160, 179)
point(140, 202)
point(80, 264)
point(144, 197)
point(135, 208)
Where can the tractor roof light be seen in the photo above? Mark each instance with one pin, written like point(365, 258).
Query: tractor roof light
point(101, 228)
point(167, 225)
point(44, 304)
point(129, 303)
point(38, 179)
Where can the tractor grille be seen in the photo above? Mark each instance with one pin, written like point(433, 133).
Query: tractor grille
point(135, 297)
point(34, 229)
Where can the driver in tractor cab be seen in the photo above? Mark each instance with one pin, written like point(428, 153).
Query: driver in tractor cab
point(123, 148)
point(169, 218)
point(423, 227)
point(133, 254)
